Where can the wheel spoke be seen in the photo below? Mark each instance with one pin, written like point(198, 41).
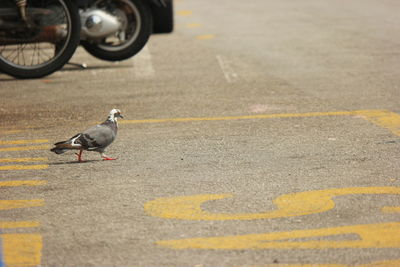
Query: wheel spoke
point(33, 54)
point(16, 54)
point(23, 54)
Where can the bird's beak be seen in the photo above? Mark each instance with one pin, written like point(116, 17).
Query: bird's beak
point(121, 116)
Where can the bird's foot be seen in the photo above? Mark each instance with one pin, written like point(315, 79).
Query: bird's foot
point(107, 158)
point(79, 157)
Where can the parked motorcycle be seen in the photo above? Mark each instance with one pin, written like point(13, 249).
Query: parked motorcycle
point(37, 37)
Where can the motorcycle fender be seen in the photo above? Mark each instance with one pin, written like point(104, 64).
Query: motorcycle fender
point(160, 3)
point(82, 3)
point(163, 15)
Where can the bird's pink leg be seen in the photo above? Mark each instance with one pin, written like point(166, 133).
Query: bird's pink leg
point(107, 158)
point(79, 156)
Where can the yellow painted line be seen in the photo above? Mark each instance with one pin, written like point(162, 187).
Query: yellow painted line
point(23, 167)
point(22, 249)
point(386, 263)
point(302, 265)
point(193, 25)
point(391, 209)
point(11, 131)
point(383, 235)
point(23, 183)
point(6, 160)
point(384, 118)
point(245, 117)
point(184, 12)
point(24, 142)
point(19, 204)
point(20, 224)
point(24, 148)
point(205, 37)
point(288, 205)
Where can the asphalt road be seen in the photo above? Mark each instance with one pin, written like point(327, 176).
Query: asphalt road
point(258, 133)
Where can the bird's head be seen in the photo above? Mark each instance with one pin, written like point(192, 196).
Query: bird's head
point(114, 114)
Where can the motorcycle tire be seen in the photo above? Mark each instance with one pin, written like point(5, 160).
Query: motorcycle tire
point(141, 12)
point(58, 52)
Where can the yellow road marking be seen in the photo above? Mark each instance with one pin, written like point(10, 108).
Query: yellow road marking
point(246, 117)
point(23, 142)
point(24, 148)
point(193, 25)
point(387, 263)
point(22, 159)
point(383, 235)
point(184, 12)
point(303, 265)
point(288, 205)
point(11, 131)
point(391, 209)
point(22, 249)
point(382, 118)
point(205, 37)
point(23, 167)
point(20, 224)
point(23, 183)
point(20, 203)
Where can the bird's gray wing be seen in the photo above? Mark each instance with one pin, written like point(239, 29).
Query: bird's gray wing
point(97, 137)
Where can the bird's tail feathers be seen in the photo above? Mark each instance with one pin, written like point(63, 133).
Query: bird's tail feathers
point(61, 143)
point(58, 150)
point(64, 146)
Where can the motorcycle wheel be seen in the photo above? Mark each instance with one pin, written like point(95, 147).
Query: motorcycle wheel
point(45, 47)
point(137, 24)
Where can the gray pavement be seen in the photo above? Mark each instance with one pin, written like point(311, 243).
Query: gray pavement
point(205, 175)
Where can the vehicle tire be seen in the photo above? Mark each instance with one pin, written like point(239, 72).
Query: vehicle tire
point(137, 22)
point(39, 56)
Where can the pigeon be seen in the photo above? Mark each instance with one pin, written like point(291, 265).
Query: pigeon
point(96, 138)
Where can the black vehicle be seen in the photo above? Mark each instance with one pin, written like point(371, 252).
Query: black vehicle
point(37, 37)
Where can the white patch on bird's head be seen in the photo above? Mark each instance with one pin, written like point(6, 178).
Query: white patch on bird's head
point(114, 114)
